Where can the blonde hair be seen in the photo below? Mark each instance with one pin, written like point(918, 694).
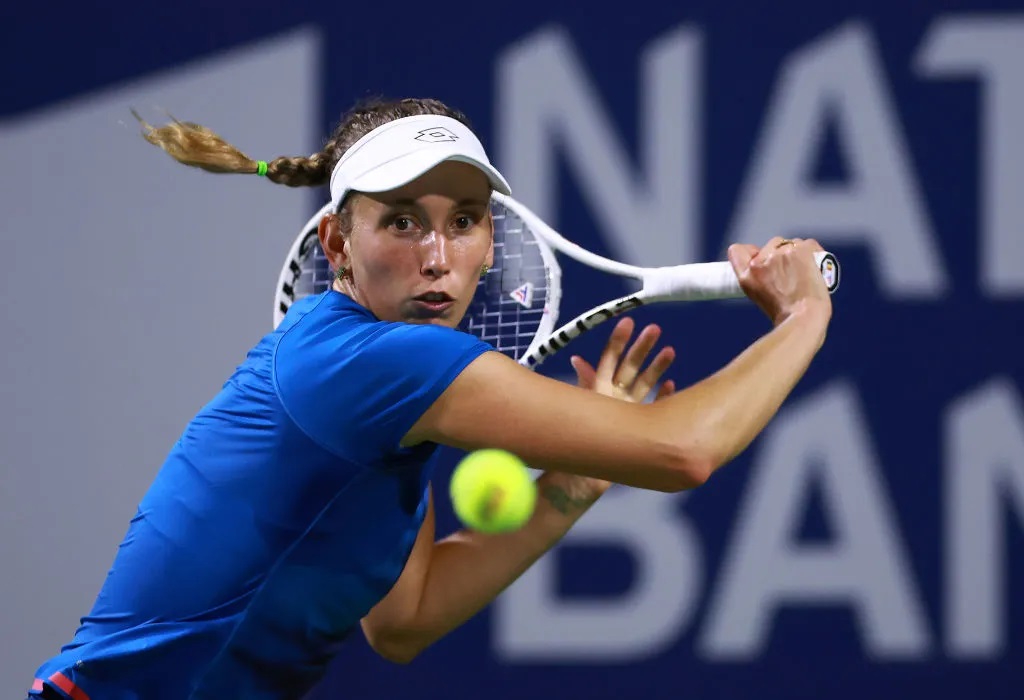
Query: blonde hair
point(199, 147)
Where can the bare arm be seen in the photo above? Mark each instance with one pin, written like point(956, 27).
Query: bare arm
point(670, 445)
point(446, 583)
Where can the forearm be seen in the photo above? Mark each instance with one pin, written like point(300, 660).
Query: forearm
point(725, 412)
point(469, 569)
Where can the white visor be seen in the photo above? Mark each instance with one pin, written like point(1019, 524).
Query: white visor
point(400, 151)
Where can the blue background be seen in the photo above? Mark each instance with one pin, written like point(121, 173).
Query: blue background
point(907, 359)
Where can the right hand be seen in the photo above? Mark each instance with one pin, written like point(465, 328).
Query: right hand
point(781, 277)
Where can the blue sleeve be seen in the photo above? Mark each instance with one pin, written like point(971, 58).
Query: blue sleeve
point(357, 394)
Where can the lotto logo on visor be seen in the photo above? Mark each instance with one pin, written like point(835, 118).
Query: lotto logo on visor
point(404, 149)
point(437, 134)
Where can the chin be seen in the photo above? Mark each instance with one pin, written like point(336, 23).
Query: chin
point(446, 321)
point(451, 318)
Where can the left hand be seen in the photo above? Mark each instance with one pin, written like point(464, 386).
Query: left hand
point(624, 380)
point(621, 377)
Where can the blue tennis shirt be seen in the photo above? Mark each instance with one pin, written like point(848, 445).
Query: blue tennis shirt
point(286, 510)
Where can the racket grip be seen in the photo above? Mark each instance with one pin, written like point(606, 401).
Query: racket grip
point(716, 280)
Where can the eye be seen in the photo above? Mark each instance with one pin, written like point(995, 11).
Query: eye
point(403, 223)
point(463, 222)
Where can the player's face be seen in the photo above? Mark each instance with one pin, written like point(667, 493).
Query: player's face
point(415, 253)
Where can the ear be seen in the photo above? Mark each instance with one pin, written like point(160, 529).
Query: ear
point(334, 243)
point(489, 260)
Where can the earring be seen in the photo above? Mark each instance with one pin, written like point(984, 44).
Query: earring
point(483, 270)
point(341, 272)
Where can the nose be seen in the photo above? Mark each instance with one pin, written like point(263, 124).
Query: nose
point(435, 260)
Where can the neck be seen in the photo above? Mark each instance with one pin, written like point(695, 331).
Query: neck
point(339, 285)
point(345, 286)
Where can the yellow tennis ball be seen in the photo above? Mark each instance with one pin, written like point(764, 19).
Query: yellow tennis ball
point(492, 491)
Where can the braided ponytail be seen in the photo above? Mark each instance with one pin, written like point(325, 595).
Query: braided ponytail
point(198, 147)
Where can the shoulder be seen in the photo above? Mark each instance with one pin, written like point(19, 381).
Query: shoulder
point(346, 377)
point(331, 331)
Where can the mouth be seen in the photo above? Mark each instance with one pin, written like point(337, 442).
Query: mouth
point(435, 303)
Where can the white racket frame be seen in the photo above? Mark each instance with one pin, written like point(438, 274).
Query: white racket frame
point(688, 282)
point(284, 294)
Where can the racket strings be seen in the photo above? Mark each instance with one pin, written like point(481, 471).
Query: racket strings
point(316, 275)
point(510, 302)
point(511, 299)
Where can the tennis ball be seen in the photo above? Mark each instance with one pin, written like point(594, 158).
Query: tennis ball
point(492, 491)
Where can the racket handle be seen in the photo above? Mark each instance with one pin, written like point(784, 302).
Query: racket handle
point(716, 280)
point(829, 266)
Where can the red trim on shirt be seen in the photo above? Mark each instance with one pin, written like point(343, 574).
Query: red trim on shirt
point(64, 683)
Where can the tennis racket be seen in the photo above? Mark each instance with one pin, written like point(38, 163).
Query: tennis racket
point(516, 305)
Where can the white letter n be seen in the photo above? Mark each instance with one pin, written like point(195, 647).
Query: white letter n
point(546, 105)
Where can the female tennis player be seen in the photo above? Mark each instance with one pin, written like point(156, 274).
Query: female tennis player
point(296, 506)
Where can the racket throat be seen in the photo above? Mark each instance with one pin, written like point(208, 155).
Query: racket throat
point(580, 325)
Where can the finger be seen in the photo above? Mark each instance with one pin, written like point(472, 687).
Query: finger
point(613, 350)
point(806, 249)
point(630, 366)
point(586, 375)
point(790, 246)
point(814, 245)
point(766, 252)
point(740, 255)
point(667, 388)
point(652, 375)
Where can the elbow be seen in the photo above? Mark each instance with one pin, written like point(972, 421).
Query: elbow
point(689, 467)
point(397, 648)
point(398, 655)
point(687, 458)
point(688, 476)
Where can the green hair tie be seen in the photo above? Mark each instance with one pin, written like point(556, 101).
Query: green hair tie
point(261, 168)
